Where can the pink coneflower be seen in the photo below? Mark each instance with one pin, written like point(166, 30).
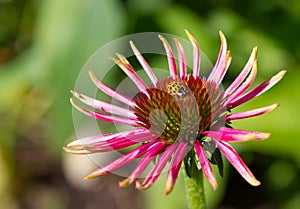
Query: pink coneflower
point(177, 119)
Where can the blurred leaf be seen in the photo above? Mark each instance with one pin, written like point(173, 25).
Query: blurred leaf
point(70, 39)
point(147, 7)
point(176, 18)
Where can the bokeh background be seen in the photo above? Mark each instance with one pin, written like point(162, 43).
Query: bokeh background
point(43, 46)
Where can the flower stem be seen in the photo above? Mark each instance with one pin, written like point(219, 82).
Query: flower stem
point(194, 189)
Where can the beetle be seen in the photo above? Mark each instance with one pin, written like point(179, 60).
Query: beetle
point(177, 89)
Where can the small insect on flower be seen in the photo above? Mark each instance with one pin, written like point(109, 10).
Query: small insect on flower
point(182, 119)
point(177, 89)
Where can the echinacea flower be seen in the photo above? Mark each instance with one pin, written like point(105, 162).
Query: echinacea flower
point(176, 119)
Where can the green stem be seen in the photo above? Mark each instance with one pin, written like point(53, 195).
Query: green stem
point(194, 189)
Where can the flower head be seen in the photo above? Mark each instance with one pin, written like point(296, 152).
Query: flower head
point(181, 118)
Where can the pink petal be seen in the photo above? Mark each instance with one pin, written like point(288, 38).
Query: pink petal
point(175, 167)
point(229, 136)
point(142, 165)
point(257, 135)
point(219, 69)
point(104, 117)
point(235, 135)
point(237, 162)
point(144, 63)
point(110, 108)
point(242, 75)
point(107, 90)
point(205, 165)
point(123, 160)
point(245, 85)
point(251, 113)
point(157, 169)
point(196, 54)
point(171, 59)
point(265, 86)
point(123, 63)
point(181, 59)
point(109, 142)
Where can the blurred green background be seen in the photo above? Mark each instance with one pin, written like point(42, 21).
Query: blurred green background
point(44, 44)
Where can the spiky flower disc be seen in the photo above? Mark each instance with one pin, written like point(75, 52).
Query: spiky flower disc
point(181, 118)
point(164, 112)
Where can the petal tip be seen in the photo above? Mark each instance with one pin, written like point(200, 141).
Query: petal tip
point(255, 182)
point(138, 185)
point(215, 186)
point(91, 176)
point(133, 47)
point(222, 36)
point(264, 135)
point(254, 51)
point(282, 73)
point(124, 183)
point(169, 187)
point(164, 40)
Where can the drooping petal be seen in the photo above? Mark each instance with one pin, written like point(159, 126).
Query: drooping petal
point(181, 59)
point(109, 142)
point(175, 166)
point(171, 59)
point(219, 70)
point(123, 63)
point(110, 92)
point(157, 169)
point(123, 160)
point(110, 108)
point(142, 165)
point(205, 165)
point(244, 86)
point(260, 89)
point(196, 54)
point(240, 78)
point(237, 162)
point(251, 113)
point(235, 135)
point(144, 63)
point(99, 116)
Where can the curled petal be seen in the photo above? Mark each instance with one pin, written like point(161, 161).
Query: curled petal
point(219, 69)
point(237, 162)
point(104, 117)
point(244, 86)
point(196, 54)
point(109, 142)
point(142, 165)
point(123, 63)
point(144, 63)
point(110, 92)
point(171, 59)
point(157, 169)
point(242, 75)
point(175, 166)
point(123, 160)
point(205, 165)
point(110, 108)
point(260, 89)
point(251, 113)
